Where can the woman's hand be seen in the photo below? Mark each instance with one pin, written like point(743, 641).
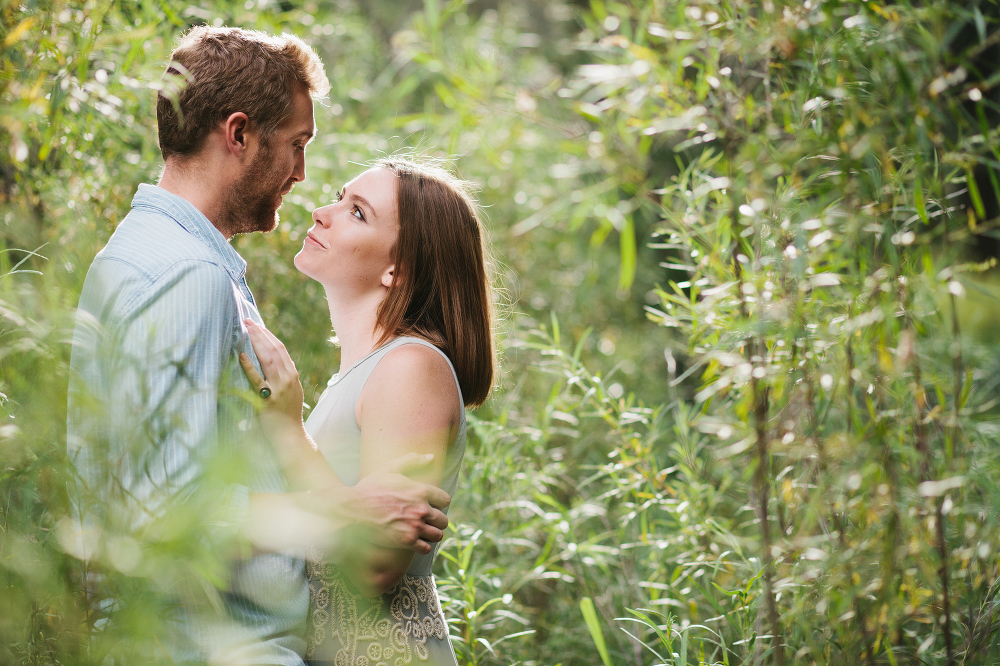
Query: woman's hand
point(280, 375)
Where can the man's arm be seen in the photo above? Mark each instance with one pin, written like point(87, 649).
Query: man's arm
point(391, 509)
point(145, 388)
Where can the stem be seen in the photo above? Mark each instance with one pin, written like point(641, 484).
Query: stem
point(950, 445)
point(956, 361)
point(860, 617)
point(849, 350)
point(762, 487)
point(919, 431)
point(761, 407)
point(945, 597)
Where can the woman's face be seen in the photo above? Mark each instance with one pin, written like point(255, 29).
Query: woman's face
point(351, 245)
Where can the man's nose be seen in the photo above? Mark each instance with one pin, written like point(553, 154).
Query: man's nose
point(299, 173)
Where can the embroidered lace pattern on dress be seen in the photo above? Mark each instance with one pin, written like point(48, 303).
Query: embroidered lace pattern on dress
point(391, 630)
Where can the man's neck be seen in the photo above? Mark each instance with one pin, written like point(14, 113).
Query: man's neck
point(189, 180)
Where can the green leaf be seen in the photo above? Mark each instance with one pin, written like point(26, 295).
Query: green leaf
point(602, 231)
point(578, 350)
point(665, 639)
point(627, 245)
point(977, 199)
point(590, 617)
point(433, 13)
point(19, 30)
point(918, 201)
point(445, 95)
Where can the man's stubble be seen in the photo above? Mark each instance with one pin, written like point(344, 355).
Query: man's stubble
point(251, 203)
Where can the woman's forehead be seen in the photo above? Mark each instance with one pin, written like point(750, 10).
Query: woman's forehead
point(377, 176)
point(378, 186)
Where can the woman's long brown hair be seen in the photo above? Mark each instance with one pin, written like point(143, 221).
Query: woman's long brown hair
point(440, 288)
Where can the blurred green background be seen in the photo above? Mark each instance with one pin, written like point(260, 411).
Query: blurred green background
point(744, 253)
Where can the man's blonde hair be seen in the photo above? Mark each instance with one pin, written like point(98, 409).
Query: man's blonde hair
point(227, 70)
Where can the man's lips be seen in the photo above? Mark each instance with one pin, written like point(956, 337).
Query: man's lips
point(312, 239)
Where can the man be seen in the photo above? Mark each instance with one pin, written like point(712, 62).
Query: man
point(156, 425)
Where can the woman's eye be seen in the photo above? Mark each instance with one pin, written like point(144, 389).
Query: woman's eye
point(358, 214)
point(340, 195)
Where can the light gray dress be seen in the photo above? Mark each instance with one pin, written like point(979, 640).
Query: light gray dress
point(405, 625)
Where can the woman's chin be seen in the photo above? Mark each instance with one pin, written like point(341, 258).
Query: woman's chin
point(300, 263)
point(306, 264)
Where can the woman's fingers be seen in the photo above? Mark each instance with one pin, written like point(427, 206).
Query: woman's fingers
point(262, 345)
point(269, 348)
point(284, 393)
point(280, 355)
point(272, 338)
point(275, 369)
point(256, 380)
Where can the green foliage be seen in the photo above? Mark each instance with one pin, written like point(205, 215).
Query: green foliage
point(594, 625)
point(747, 409)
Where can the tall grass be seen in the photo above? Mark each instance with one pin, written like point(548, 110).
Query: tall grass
point(748, 408)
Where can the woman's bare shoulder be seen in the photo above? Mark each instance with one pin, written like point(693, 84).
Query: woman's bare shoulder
point(417, 358)
point(413, 376)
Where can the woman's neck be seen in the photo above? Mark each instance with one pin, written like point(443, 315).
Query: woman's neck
point(354, 321)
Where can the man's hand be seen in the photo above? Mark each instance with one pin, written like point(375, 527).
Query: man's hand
point(399, 512)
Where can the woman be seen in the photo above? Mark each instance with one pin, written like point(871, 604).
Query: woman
point(400, 254)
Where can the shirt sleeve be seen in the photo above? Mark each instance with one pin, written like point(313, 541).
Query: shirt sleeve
point(153, 372)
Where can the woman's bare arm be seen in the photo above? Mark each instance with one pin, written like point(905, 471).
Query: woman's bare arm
point(304, 466)
point(409, 405)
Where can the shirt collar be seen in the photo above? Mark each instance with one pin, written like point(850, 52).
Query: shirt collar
point(194, 222)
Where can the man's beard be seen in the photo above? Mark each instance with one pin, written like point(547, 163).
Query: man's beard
point(251, 203)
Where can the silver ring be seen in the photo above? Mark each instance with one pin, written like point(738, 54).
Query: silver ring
point(264, 392)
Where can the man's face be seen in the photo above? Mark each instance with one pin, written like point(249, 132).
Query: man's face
point(252, 202)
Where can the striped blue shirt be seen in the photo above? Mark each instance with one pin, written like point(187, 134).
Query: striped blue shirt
point(157, 397)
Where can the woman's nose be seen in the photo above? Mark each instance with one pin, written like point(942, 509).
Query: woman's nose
point(321, 216)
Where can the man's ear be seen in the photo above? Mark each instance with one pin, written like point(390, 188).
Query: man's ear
point(387, 276)
point(236, 127)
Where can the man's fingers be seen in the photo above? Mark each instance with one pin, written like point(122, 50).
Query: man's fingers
point(422, 547)
point(256, 380)
point(429, 534)
point(409, 463)
point(437, 497)
point(437, 519)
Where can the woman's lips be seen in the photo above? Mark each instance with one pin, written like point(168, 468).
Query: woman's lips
point(312, 239)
